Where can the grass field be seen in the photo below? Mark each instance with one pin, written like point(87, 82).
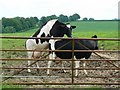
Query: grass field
point(104, 29)
point(85, 29)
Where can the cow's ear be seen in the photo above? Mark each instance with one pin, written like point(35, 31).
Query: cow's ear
point(73, 27)
point(95, 36)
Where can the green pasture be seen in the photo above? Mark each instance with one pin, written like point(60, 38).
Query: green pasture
point(85, 29)
point(103, 29)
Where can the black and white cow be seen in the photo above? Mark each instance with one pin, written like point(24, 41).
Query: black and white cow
point(78, 45)
point(52, 28)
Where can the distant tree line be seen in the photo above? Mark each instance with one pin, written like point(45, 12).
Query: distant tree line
point(20, 24)
point(61, 18)
point(90, 19)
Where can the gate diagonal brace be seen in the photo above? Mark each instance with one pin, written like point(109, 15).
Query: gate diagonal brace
point(98, 55)
point(18, 72)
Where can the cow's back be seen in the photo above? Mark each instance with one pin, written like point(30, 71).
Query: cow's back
point(78, 45)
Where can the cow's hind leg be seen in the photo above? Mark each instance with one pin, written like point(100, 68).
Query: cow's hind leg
point(37, 65)
point(37, 55)
point(49, 64)
point(29, 57)
point(63, 66)
point(48, 70)
point(84, 65)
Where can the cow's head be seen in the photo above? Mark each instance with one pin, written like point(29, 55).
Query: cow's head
point(69, 29)
point(59, 29)
point(95, 42)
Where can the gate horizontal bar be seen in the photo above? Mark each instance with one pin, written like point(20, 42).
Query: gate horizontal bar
point(18, 37)
point(59, 76)
point(59, 68)
point(38, 83)
point(17, 59)
point(20, 50)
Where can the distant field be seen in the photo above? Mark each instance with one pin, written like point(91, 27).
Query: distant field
point(103, 29)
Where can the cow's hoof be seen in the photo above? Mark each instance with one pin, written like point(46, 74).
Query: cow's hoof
point(76, 76)
point(29, 71)
point(48, 74)
point(37, 70)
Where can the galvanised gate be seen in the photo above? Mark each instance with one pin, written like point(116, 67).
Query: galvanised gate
point(112, 65)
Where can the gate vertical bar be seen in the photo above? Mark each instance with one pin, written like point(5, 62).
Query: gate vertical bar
point(72, 61)
point(1, 56)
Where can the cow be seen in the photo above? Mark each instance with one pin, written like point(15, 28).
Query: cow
point(78, 45)
point(52, 28)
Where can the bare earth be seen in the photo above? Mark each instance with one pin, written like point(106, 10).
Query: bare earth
point(58, 76)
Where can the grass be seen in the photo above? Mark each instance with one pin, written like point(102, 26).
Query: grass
point(15, 43)
point(13, 87)
point(103, 29)
point(84, 29)
point(17, 87)
point(68, 87)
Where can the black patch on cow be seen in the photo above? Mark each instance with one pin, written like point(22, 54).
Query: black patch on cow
point(58, 29)
point(38, 31)
point(48, 36)
point(78, 45)
point(43, 40)
point(35, 35)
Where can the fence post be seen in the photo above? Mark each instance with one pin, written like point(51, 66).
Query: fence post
point(72, 61)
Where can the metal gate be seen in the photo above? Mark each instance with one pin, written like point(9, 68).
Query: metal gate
point(112, 67)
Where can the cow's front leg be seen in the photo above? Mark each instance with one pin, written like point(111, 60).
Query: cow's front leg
point(52, 55)
point(76, 66)
point(63, 67)
point(29, 66)
point(84, 65)
point(49, 63)
point(52, 46)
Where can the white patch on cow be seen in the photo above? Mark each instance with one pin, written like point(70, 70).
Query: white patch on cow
point(63, 67)
point(52, 43)
point(84, 64)
point(68, 25)
point(49, 64)
point(76, 66)
point(46, 29)
point(31, 45)
point(52, 55)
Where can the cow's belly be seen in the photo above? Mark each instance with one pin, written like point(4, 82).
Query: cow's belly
point(42, 46)
point(64, 55)
point(38, 54)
